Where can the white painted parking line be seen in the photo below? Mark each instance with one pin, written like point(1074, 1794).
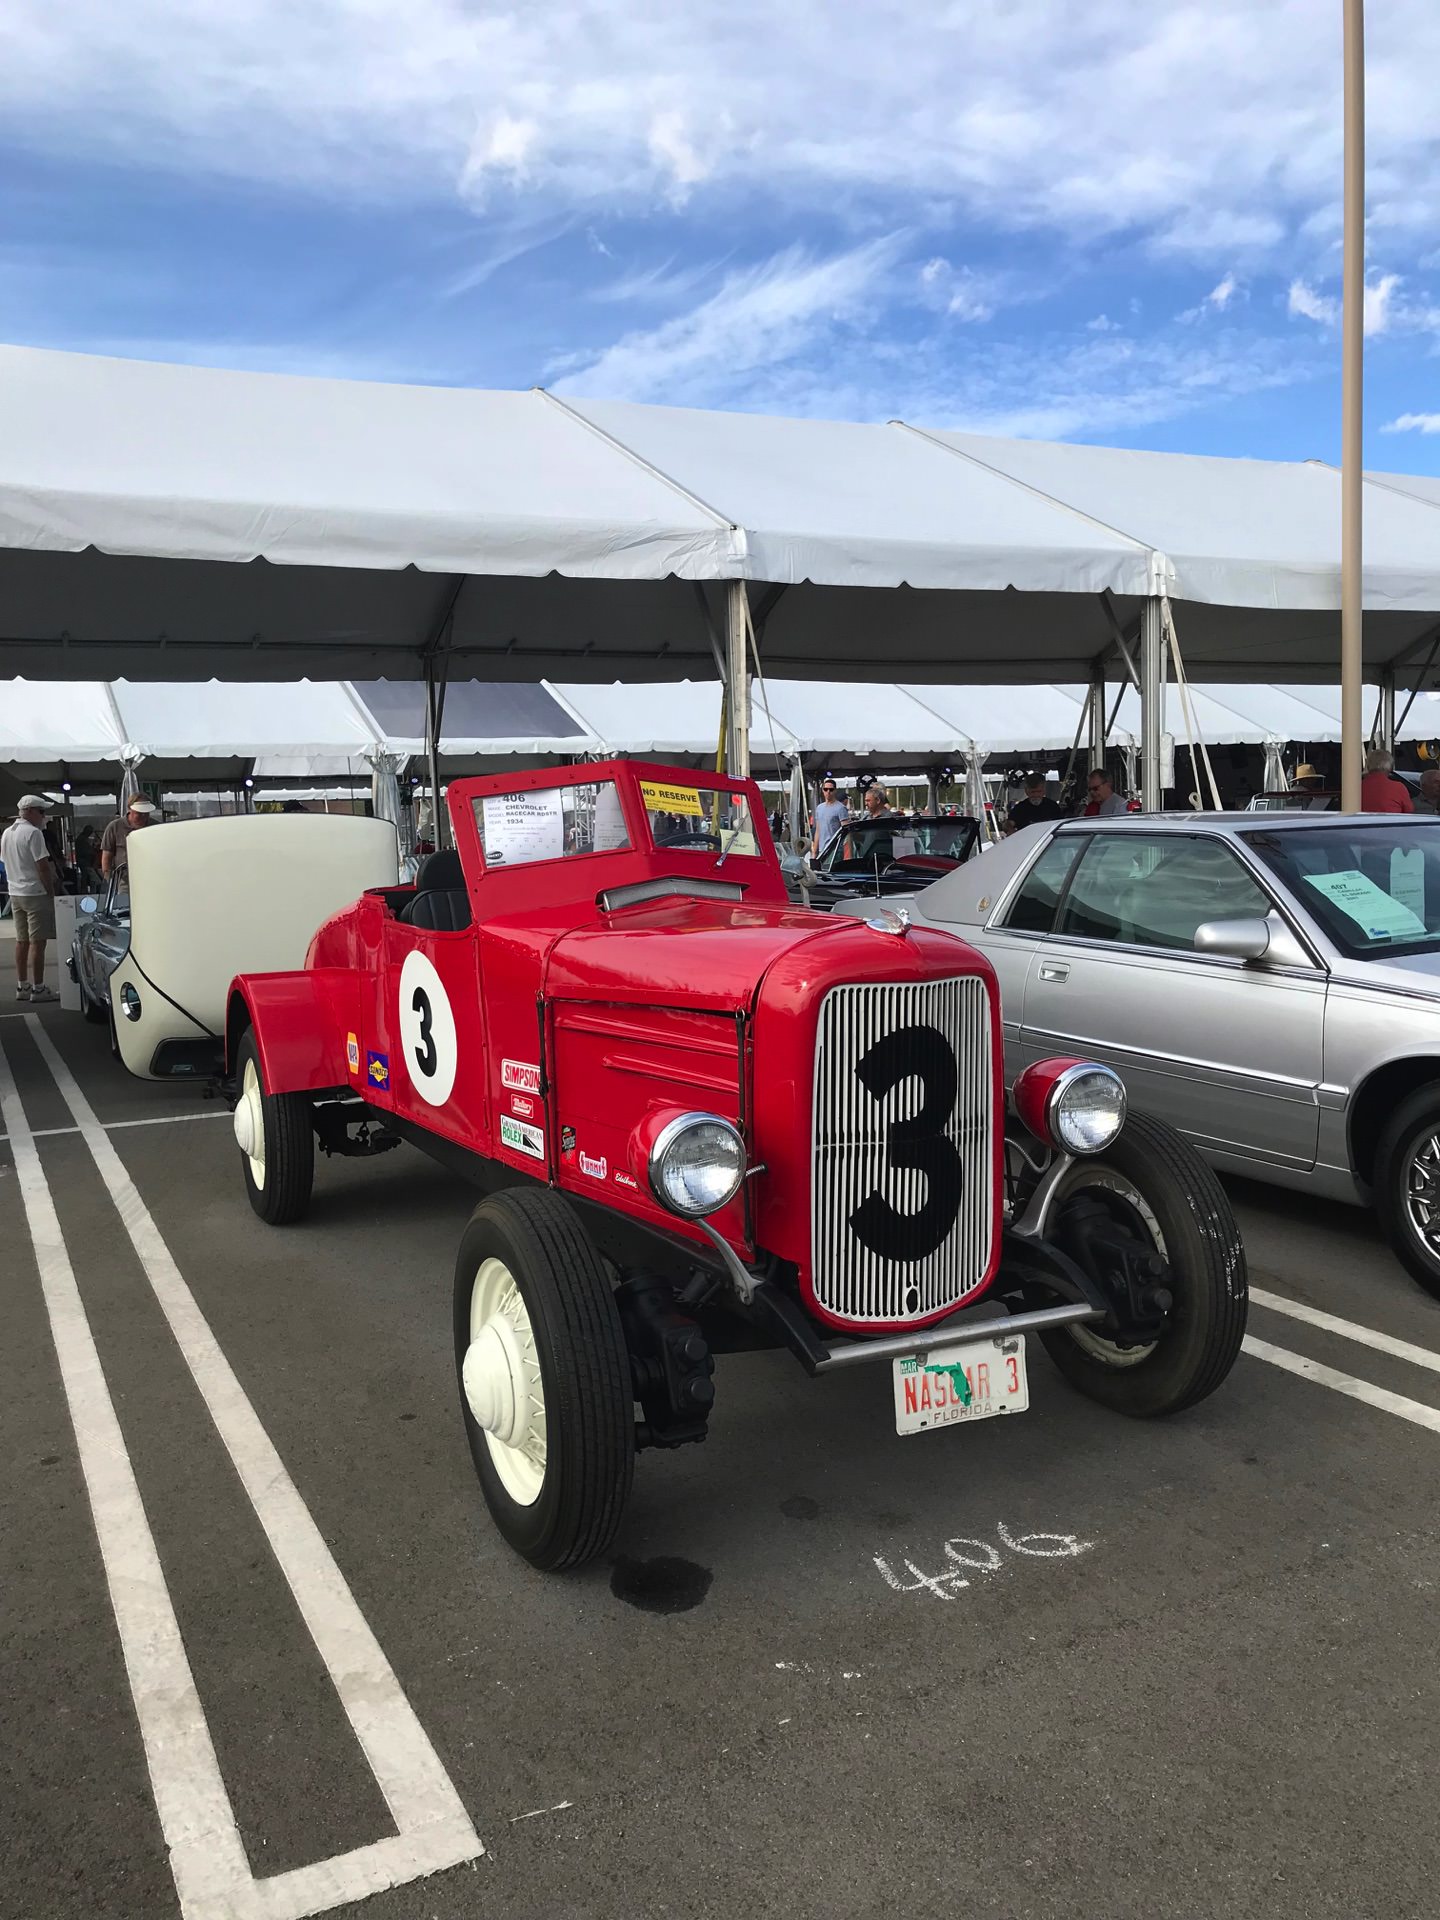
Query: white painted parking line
point(434, 1831)
point(206, 1856)
point(1347, 1329)
point(113, 1126)
point(1414, 1411)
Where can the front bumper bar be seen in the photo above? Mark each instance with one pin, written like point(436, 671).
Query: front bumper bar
point(855, 1353)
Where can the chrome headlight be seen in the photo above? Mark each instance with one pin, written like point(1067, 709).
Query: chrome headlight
point(1087, 1108)
point(129, 1002)
point(697, 1164)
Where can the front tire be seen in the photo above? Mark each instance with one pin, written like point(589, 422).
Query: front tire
point(1157, 1188)
point(545, 1387)
point(276, 1141)
point(1407, 1185)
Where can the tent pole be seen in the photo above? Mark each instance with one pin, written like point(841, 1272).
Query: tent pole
point(737, 680)
point(1385, 714)
point(1097, 714)
point(433, 700)
point(1152, 701)
point(1352, 453)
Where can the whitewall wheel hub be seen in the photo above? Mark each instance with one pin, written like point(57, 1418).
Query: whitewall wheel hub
point(249, 1123)
point(501, 1378)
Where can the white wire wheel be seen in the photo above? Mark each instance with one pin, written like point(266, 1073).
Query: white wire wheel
point(545, 1386)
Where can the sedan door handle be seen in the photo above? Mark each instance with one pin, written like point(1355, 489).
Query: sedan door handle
point(1054, 970)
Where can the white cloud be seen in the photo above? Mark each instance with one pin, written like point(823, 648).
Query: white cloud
point(960, 292)
point(1228, 142)
point(761, 318)
point(1102, 323)
point(1306, 304)
point(1413, 423)
point(1220, 296)
point(1379, 295)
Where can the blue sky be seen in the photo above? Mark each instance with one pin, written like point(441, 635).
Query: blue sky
point(1116, 223)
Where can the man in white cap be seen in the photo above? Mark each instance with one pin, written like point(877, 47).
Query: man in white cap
point(33, 883)
point(141, 813)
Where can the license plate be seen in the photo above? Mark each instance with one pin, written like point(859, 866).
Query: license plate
point(969, 1381)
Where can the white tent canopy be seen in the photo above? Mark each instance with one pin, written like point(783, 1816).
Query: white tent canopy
point(178, 522)
point(315, 730)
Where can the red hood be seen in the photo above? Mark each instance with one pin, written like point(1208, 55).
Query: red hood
point(683, 953)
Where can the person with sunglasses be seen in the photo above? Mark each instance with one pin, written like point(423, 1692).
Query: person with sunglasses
point(831, 813)
point(1103, 799)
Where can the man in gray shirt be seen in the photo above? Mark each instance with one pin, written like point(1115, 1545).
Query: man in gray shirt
point(1103, 800)
point(1427, 800)
point(831, 813)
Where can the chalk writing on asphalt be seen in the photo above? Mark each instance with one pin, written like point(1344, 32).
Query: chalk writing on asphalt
point(964, 1556)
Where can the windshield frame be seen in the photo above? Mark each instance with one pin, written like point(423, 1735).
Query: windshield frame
point(1330, 921)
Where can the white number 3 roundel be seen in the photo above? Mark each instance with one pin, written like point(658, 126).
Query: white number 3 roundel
point(427, 1030)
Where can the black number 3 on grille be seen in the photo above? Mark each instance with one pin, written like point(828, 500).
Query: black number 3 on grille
point(920, 1143)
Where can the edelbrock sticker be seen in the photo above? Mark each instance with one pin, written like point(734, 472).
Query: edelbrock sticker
point(597, 1169)
point(625, 1180)
point(521, 1076)
point(520, 1138)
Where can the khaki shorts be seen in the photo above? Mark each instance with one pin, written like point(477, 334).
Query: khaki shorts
point(34, 919)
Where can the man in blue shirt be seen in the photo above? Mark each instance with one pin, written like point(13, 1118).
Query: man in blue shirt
point(830, 815)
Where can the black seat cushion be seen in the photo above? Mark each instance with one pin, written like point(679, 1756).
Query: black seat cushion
point(443, 910)
point(440, 870)
point(440, 901)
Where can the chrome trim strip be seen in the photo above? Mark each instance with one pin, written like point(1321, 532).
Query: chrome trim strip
point(899, 1346)
point(1142, 1054)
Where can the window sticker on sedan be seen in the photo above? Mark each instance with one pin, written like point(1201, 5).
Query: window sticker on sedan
point(1378, 914)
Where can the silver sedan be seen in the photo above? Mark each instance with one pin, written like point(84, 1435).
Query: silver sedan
point(1269, 984)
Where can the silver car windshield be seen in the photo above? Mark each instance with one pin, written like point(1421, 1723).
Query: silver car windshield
point(1375, 889)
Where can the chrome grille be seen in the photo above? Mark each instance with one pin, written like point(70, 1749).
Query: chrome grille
point(883, 1246)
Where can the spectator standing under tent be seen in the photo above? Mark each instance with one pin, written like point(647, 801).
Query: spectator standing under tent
point(1380, 790)
point(140, 813)
point(1036, 805)
point(34, 880)
point(1427, 800)
point(831, 813)
point(1103, 800)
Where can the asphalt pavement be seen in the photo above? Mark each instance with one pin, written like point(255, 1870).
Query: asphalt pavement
point(1059, 1665)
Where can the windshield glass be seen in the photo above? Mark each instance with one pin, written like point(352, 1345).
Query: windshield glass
point(1375, 890)
point(697, 819)
point(945, 838)
point(549, 823)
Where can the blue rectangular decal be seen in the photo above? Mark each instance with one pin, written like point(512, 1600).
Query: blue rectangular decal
point(377, 1069)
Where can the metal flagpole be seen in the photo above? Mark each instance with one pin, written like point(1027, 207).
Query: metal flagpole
point(1352, 363)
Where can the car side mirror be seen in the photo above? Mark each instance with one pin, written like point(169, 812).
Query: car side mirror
point(1251, 939)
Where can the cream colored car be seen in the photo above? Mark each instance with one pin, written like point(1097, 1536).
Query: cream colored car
point(209, 899)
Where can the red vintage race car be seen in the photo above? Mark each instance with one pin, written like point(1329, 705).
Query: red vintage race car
point(706, 1119)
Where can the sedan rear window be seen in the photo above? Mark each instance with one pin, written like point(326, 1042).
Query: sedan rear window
point(1374, 889)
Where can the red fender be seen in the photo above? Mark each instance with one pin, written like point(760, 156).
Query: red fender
point(292, 1017)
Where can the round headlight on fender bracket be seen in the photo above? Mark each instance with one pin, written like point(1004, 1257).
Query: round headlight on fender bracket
point(1075, 1106)
point(696, 1164)
point(129, 1002)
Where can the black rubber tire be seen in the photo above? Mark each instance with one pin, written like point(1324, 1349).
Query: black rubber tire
point(115, 1053)
point(584, 1369)
point(96, 1014)
point(1206, 1324)
point(289, 1148)
point(1415, 1116)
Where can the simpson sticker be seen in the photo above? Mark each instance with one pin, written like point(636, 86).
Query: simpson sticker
point(597, 1169)
point(522, 1106)
point(520, 1076)
point(352, 1053)
point(520, 1138)
point(377, 1069)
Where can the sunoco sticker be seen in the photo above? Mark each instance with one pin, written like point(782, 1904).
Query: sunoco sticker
point(520, 1138)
